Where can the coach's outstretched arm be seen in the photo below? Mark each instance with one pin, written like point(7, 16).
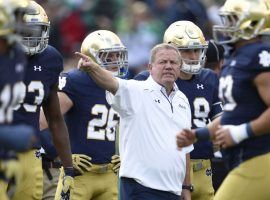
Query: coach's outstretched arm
point(101, 76)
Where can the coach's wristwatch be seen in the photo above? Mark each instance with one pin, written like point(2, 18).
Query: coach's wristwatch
point(188, 187)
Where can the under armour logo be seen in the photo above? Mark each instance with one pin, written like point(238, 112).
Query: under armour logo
point(157, 100)
point(37, 68)
point(200, 86)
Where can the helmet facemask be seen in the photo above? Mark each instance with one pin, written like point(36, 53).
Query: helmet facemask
point(187, 37)
point(113, 59)
point(241, 19)
point(192, 66)
point(36, 41)
point(229, 31)
point(37, 20)
point(11, 22)
point(106, 48)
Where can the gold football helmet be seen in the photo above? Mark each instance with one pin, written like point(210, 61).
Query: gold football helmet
point(186, 35)
point(37, 40)
point(107, 50)
point(242, 19)
point(11, 19)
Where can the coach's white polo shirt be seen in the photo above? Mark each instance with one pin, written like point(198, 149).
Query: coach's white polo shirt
point(149, 123)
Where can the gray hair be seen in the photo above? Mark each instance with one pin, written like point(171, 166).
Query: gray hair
point(159, 47)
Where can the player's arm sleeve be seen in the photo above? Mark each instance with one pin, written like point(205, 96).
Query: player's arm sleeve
point(128, 97)
point(57, 67)
point(65, 85)
point(18, 138)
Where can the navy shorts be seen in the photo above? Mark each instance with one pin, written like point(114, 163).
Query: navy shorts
point(131, 190)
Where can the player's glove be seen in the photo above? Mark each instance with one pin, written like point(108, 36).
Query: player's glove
point(68, 183)
point(115, 160)
point(12, 170)
point(81, 163)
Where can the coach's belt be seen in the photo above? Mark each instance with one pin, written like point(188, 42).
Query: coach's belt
point(198, 164)
point(102, 168)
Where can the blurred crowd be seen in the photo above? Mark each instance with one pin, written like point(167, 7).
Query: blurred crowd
point(139, 23)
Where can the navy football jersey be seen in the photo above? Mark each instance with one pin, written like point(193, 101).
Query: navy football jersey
point(202, 93)
point(12, 70)
point(242, 102)
point(91, 121)
point(41, 75)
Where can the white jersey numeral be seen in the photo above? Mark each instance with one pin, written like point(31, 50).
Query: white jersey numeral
point(104, 126)
point(201, 111)
point(9, 98)
point(32, 87)
point(225, 93)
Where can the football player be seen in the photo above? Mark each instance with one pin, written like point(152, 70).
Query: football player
point(214, 61)
point(91, 121)
point(244, 129)
point(13, 62)
point(40, 85)
point(200, 87)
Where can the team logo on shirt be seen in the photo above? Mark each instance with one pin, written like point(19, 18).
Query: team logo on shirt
point(157, 100)
point(264, 58)
point(182, 106)
point(62, 82)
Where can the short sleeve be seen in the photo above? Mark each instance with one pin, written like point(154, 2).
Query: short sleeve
point(65, 85)
point(57, 64)
point(255, 59)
